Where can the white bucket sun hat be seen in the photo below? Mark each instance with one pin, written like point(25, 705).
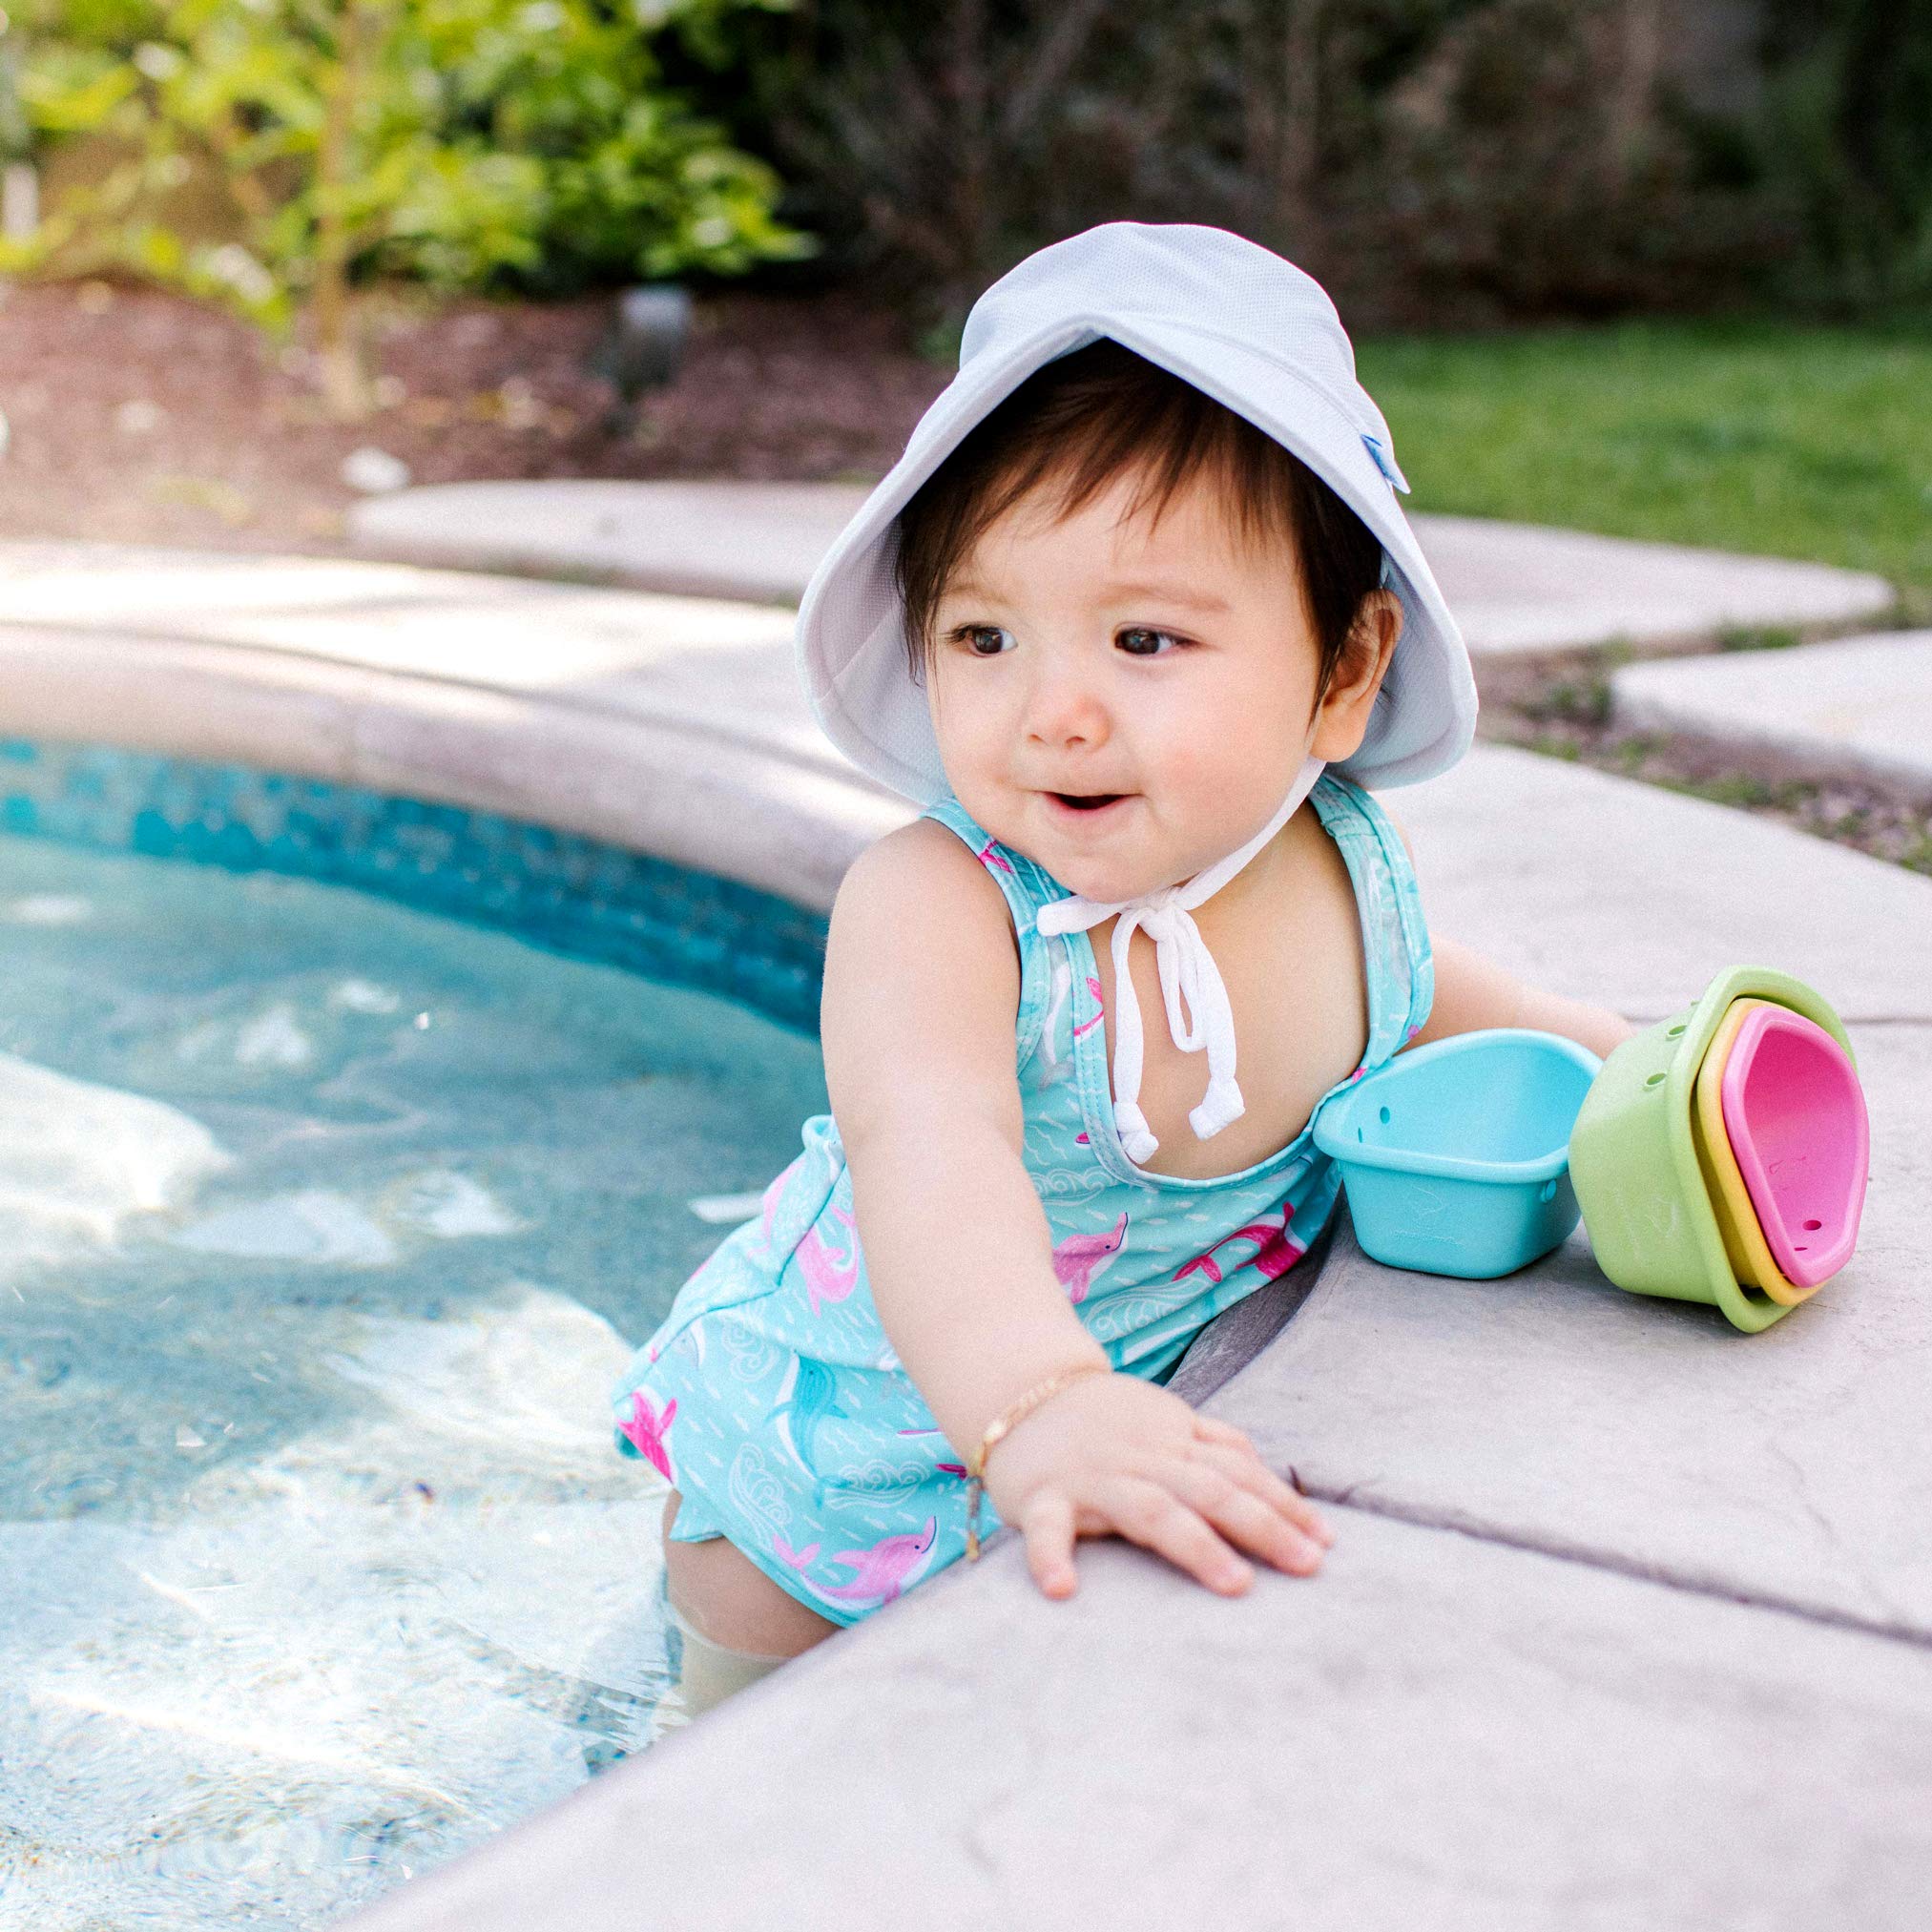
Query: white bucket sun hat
point(1242, 326)
point(1262, 338)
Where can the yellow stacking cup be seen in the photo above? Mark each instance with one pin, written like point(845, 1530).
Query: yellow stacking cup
point(1750, 1259)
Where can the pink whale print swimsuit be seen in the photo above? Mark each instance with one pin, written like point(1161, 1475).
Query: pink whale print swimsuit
point(770, 1394)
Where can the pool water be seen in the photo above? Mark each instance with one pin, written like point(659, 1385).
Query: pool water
point(324, 1226)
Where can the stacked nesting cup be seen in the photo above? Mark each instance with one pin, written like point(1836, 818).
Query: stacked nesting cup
point(1722, 1155)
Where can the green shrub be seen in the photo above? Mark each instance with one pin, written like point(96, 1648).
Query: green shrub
point(527, 144)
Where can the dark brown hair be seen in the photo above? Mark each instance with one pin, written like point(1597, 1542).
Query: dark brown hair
point(1087, 418)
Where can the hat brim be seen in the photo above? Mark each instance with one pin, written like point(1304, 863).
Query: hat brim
point(852, 645)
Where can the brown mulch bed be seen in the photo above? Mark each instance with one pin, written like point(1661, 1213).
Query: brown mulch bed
point(139, 417)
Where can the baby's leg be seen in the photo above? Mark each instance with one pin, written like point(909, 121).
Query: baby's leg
point(731, 1602)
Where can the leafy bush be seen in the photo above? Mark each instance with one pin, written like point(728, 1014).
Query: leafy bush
point(530, 144)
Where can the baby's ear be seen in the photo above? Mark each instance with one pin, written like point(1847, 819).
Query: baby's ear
point(1377, 630)
point(1370, 644)
point(1345, 708)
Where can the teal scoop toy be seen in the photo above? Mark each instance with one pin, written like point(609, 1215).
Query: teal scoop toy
point(1455, 1155)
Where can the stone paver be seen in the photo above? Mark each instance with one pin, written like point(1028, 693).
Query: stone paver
point(1551, 1408)
point(1437, 1732)
point(1860, 709)
point(759, 541)
point(1513, 587)
point(1522, 587)
point(1635, 897)
point(1551, 1405)
point(582, 647)
point(702, 662)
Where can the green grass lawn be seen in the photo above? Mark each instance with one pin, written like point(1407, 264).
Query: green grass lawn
point(1797, 442)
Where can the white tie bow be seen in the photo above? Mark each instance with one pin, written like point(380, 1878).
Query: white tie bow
point(1187, 972)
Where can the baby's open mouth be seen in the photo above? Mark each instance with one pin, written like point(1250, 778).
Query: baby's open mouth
point(1088, 801)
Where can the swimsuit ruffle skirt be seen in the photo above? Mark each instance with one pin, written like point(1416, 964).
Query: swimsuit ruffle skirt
point(770, 1395)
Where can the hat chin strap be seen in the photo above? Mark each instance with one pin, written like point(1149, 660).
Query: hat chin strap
point(1188, 974)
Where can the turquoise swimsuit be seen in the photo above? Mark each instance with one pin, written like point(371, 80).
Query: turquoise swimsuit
point(770, 1395)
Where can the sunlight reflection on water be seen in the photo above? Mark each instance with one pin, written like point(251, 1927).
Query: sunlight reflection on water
point(324, 1225)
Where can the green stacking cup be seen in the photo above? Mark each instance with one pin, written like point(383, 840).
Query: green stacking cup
point(1635, 1167)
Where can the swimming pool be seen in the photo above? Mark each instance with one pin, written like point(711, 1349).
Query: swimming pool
point(325, 1220)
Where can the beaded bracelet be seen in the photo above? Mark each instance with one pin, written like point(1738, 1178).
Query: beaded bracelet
point(1009, 1418)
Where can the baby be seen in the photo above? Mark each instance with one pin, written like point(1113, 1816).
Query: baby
point(1135, 619)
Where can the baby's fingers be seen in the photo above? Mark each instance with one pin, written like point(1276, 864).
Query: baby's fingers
point(1212, 1429)
point(1046, 1523)
point(1249, 1521)
point(1148, 1512)
point(1248, 1469)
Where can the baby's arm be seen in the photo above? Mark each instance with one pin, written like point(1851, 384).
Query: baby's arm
point(921, 987)
point(1473, 992)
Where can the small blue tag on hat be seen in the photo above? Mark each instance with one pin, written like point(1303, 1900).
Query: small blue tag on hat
point(1386, 463)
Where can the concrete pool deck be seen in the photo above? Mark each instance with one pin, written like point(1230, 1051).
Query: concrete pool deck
point(1630, 1617)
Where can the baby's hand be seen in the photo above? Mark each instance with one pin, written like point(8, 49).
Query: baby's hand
point(1111, 1452)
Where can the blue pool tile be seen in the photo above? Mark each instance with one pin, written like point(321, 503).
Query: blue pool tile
point(557, 889)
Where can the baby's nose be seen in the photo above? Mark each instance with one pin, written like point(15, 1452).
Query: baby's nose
point(1064, 710)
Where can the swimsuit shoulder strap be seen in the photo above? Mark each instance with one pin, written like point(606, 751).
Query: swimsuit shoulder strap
point(1026, 886)
point(1401, 982)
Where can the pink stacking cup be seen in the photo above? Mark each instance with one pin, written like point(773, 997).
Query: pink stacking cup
point(1795, 1117)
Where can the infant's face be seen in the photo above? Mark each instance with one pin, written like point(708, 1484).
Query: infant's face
point(1168, 669)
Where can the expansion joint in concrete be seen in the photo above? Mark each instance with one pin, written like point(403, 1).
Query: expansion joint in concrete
point(1348, 1496)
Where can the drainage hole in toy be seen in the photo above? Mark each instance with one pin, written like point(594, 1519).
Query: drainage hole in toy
point(1549, 1193)
point(1812, 1227)
point(1384, 1116)
point(1675, 1033)
point(1656, 1080)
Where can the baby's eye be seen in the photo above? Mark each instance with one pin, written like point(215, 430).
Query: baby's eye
point(985, 640)
point(1142, 643)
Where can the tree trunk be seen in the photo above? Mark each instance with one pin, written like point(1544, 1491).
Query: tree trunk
point(338, 354)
